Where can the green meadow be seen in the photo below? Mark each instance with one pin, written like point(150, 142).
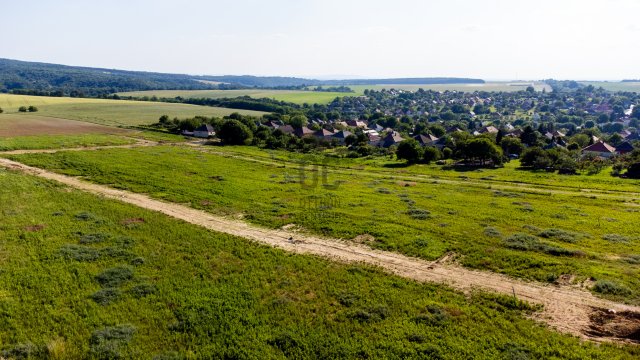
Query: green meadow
point(87, 278)
point(615, 85)
point(515, 231)
point(488, 86)
point(62, 141)
point(108, 112)
point(293, 96)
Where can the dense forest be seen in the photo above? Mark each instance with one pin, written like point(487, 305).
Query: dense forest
point(34, 78)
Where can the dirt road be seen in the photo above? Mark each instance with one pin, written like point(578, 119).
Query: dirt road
point(566, 308)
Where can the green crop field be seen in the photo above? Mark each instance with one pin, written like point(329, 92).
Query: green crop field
point(83, 277)
point(489, 86)
point(107, 112)
point(493, 220)
point(615, 85)
point(292, 96)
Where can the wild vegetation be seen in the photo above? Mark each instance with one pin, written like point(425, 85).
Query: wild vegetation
point(87, 278)
point(536, 230)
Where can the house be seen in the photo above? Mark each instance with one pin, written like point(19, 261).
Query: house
point(601, 149)
point(303, 132)
point(204, 131)
point(323, 134)
point(393, 138)
point(341, 136)
point(425, 140)
point(489, 130)
point(624, 148)
point(356, 124)
point(287, 129)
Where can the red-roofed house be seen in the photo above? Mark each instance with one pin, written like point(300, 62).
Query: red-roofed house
point(601, 149)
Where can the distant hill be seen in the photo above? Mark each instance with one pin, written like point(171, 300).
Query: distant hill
point(61, 80)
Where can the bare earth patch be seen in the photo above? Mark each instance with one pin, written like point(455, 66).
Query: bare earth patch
point(25, 125)
point(35, 228)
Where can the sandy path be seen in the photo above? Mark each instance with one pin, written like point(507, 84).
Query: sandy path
point(568, 309)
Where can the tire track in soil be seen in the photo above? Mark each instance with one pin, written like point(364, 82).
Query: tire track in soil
point(567, 309)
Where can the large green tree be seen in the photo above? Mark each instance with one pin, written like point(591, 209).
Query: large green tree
point(409, 150)
point(233, 132)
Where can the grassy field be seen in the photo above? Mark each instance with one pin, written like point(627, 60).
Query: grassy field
point(61, 141)
point(311, 97)
point(517, 232)
point(292, 96)
point(83, 277)
point(615, 86)
point(489, 86)
point(107, 112)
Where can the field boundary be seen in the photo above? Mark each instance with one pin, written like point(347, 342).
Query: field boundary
point(567, 309)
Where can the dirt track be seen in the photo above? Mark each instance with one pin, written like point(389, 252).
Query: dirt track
point(568, 309)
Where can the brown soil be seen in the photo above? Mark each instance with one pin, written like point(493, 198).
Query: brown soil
point(25, 125)
point(35, 228)
point(566, 308)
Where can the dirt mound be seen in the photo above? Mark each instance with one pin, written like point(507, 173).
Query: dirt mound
point(623, 325)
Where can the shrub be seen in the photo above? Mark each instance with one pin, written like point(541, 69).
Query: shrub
point(434, 316)
point(526, 242)
point(106, 343)
point(85, 216)
point(143, 290)
point(430, 154)
point(491, 231)
point(32, 109)
point(114, 276)
point(22, 109)
point(616, 238)
point(79, 253)
point(93, 238)
point(418, 214)
point(25, 351)
point(561, 235)
point(611, 288)
point(106, 296)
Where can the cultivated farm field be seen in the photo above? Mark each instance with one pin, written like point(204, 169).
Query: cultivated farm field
point(108, 112)
point(615, 86)
point(293, 96)
point(488, 86)
point(545, 232)
point(85, 277)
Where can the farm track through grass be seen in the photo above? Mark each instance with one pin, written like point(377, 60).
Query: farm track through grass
point(180, 291)
point(381, 208)
point(566, 309)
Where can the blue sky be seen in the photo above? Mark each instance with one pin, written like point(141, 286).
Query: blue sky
point(490, 39)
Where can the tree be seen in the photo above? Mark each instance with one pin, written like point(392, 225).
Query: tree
point(22, 109)
point(437, 130)
point(636, 112)
point(1, 111)
point(298, 121)
point(511, 145)
point(164, 119)
point(409, 150)
point(536, 158)
point(531, 89)
point(529, 136)
point(483, 149)
point(233, 132)
point(431, 154)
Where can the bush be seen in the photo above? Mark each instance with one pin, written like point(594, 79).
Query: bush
point(32, 109)
point(419, 214)
point(106, 343)
point(93, 238)
point(561, 235)
point(1, 111)
point(85, 216)
point(611, 288)
point(106, 296)
point(616, 238)
point(491, 231)
point(114, 276)
point(22, 109)
point(25, 351)
point(79, 253)
point(430, 154)
point(526, 242)
point(143, 290)
point(435, 316)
